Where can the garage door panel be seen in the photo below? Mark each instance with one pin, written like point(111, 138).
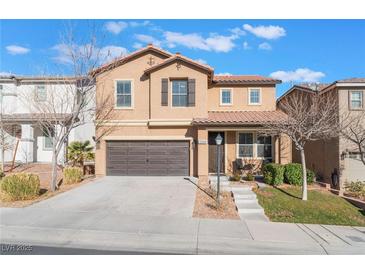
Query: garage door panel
point(160, 158)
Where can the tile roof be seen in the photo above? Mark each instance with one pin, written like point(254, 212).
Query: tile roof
point(33, 117)
point(243, 79)
point(124, 59)
point(240, 117)
point(180, 57)
point(314, 86)
point(352, 80)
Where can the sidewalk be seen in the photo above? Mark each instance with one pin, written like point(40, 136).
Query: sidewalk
point(178, 235)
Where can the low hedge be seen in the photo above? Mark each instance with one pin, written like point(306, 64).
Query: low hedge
point(72, 175)
point(273, 174)
point(293, 174)
point(21, 186)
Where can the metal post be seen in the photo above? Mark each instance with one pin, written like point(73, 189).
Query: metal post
point(218, 172)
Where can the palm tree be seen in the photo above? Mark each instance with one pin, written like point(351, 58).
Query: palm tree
point(79, 152)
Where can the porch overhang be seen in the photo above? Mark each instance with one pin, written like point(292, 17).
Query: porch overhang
point(240, 118)
point(34, 117)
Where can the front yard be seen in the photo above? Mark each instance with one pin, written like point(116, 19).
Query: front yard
point(43, 171)
point(283, 204)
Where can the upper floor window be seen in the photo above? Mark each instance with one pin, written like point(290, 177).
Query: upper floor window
point(179, 93)
point(41, 93)
point(356, 99)
point(226, 97)
point(124, 94)
point(254, 96)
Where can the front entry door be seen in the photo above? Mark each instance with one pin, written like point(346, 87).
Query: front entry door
point(213, 152)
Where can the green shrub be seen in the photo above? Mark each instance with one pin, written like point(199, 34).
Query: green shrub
point(293, 174)
point(250, 177)
point(273, 174)
point(21, 186)
point(2, 174)
point(72, 175)
point(235, 177)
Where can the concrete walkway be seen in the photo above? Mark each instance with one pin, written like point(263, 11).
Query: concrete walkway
point(90, 217)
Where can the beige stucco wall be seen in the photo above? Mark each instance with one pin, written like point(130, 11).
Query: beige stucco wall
point(133, 70)
point(240, 98)
point(174, 71)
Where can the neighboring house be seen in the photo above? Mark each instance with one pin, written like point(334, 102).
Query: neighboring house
point(20, 121)
point(169, 110)
point(335, 159)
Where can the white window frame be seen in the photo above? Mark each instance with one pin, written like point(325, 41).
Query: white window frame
point(116, 97)
point(187, 92)
point(37, 94)
point(361, 99)
point(254, 152)
point(249, 97)
point(221, 96)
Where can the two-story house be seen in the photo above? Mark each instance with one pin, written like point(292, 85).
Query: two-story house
point(169, 109)
point(335, 161)
point(24, 139)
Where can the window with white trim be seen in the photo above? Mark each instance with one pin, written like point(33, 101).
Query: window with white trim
point(48, 138)
point(264, 147)
point(356, 99)
point(179, 93)
point(41, 93)
point(245, 145)
point(124, 94)
point(254, 96)
point(226, 97)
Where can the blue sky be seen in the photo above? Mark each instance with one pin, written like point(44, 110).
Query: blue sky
point(292, 50)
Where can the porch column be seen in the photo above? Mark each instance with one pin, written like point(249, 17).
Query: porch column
point(24, 151)
point(202, 146)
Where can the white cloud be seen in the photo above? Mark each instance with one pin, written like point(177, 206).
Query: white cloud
point(139, 24)
point(108, 53)
point(214, 42)
point(299, 75)
point(5, 74)
point(245, 45)
point(265, 46)
point(201, 61)
point(115, 27)
point(223, 74)
point(238, 31)
point(137, 45)
point(101, 55)
point(147, 39)
point(267, 32)
point(15, 50)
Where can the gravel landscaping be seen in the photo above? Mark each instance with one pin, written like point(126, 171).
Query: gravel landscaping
point(205, 204)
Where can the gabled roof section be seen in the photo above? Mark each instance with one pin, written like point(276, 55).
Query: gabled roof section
point(299, 87)
point(122, 60)
point(244, 79)
point(178, 57)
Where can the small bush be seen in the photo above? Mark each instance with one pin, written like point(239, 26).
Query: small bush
point(235, 177)
point(356, 188)
point(21, 186)
point(250, 177)
point(2, 174)
point(273, 174)
point(72, 175)
point(293, 174)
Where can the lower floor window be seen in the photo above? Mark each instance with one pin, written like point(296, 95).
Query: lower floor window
point(251, 145)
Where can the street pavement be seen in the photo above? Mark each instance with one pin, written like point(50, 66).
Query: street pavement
point(117, 215)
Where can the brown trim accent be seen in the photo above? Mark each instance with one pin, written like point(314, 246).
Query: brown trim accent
point(191, 92)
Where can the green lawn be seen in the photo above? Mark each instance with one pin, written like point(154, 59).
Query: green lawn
point(285, 205)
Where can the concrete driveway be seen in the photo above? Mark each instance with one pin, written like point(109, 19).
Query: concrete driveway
point(138, 196)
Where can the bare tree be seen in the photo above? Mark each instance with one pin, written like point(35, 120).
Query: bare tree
point(352, 129)
point(311, 116)
point(67, 108)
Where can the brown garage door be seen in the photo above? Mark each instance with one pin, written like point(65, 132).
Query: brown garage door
point(143, 158)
